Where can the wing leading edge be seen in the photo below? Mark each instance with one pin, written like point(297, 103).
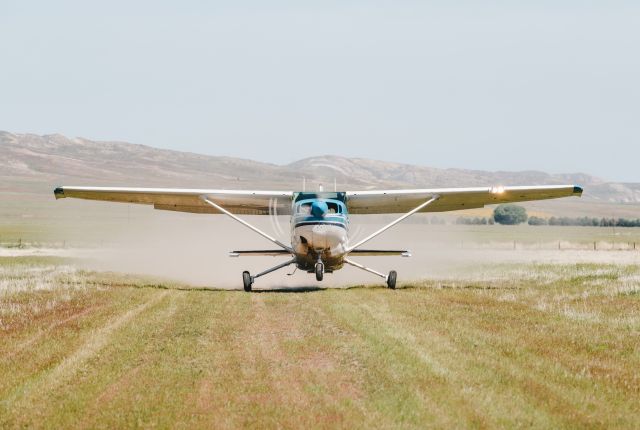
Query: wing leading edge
point(451, 199)
point(187, 200)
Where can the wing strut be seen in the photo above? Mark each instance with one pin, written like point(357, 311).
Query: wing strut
point(391, 224)
point(246, 224)
point(365, 268)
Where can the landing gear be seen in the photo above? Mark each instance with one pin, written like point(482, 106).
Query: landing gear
point(319, 271)
point(247, 281)
point(391, 280)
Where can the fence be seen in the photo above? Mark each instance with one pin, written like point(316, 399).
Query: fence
point(514, 245)
point(560, 245)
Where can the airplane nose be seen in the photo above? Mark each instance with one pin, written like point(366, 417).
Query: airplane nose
point(328, 237)
point(319, 209)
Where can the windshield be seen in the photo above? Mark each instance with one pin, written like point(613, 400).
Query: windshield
point(334, 208)
point(305, 208)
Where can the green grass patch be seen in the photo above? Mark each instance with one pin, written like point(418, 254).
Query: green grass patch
point(543, 346)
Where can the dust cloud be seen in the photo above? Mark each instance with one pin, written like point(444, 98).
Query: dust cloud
point(194, 249)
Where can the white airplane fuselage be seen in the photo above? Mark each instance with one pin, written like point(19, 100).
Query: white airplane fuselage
point(319, 231)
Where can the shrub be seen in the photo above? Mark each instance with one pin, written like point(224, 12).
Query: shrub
point(510, 214)
point(534, 220)
point(472, 221)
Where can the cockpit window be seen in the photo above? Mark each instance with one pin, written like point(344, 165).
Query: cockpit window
point(304, 209)
point(334, 208)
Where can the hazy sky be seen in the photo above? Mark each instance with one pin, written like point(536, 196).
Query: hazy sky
point(545, 85)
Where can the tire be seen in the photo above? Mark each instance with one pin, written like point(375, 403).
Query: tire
point(247, 281)
point(391, 280)
point(319, 271)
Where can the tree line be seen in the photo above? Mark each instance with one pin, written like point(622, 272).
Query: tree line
point(585, 221)
point(514, 214)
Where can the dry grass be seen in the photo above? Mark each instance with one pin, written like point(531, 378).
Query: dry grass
point(537, 346)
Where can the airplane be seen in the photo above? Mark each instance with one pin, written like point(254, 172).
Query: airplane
point(319, 220)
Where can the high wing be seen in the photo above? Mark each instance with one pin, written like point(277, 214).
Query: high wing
point(188, 200)
point(451, 199)
point(358, 202)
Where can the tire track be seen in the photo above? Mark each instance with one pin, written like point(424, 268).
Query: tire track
point(70, 365)
point(19, 348)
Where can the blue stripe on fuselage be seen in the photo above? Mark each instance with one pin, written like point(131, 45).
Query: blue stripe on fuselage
point(331, 218)
point(322, 222)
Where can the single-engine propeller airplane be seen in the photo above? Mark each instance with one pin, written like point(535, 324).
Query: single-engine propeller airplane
point(319, 220)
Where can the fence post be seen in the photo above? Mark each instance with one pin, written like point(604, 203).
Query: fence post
point(594, 246)
point(558, 245)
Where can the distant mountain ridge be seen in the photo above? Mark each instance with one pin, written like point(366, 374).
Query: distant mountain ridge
point(35, 163)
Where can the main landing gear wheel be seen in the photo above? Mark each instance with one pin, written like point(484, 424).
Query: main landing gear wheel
point(391, 280)
point(247, 281)
point(319, 271)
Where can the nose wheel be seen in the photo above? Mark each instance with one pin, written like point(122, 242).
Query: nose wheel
point(319, 271)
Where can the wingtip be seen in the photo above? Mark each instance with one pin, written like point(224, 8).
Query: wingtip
point(58, 192)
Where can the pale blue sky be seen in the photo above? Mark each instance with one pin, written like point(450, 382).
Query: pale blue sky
point(545, 85)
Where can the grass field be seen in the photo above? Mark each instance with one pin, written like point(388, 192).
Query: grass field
point(543, 346)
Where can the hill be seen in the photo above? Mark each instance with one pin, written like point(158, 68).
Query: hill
point(35, 164)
